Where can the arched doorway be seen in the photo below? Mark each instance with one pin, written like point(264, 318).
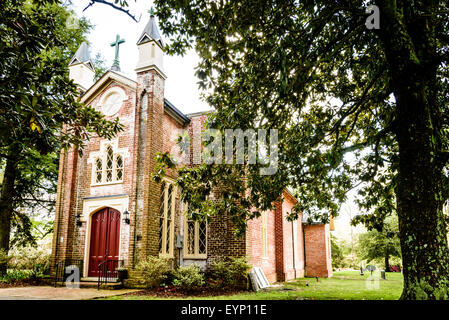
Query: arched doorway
point(104, 238)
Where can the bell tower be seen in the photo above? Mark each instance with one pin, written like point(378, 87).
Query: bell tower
point(150, 46)
point(81, 68)
point(149, 122)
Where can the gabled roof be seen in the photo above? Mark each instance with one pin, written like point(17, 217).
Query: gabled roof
point(119, 77)
point(105, 79)
point(151, 32)
point(82, 55)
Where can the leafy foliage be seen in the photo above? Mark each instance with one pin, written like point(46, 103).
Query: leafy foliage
point(232, 272)
point(155, 270)
point(355, 107)
point(4, 257)
point(374, 245)
point(19, 276)
point(336, 253)
point(189, 277)
point(30, 258)
point(40, 113)
point(100, 66)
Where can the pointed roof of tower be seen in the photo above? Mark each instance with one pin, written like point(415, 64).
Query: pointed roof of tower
point(151, 32)
point(82, 55)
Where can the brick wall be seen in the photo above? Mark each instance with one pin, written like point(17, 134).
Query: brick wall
point(293, 241)
point(318, 255)
point(75, 183)
point(254, 237)
point(148, 130)
point(279, 264)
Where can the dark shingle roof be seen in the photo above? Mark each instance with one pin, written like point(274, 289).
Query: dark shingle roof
point(176, 112)
point(151, 32)
point(82, 55)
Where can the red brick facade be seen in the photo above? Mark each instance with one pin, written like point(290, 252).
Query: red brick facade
point(149, 127)
point(318, 250)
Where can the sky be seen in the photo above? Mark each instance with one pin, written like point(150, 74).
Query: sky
point(181, 84)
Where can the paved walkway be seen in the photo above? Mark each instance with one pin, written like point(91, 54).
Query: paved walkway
point(62, 293)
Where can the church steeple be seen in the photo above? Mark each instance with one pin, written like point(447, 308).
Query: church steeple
point(82, 55)
point(151, 32)
point(151, 48)
point(81, 68)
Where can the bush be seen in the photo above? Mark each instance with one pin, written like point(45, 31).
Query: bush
point(17, 276)
point(4, 258)
point(232, 272)
point(189, 278)
point(155, 270)
point(29, 258)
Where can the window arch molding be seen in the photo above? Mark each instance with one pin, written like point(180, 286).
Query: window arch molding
point(108, 164)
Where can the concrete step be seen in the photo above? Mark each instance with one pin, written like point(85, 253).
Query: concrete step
point(95, 279)
point(94, 284)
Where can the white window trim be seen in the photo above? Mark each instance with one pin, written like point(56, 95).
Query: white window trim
point(102, 155)
point(168, 254)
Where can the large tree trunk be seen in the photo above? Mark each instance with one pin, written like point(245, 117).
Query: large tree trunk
point(387, 263)
point(409, 45)
point(423, 230)
point(6, 207)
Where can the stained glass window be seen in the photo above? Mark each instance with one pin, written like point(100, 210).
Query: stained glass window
point(161, 217)
point(264, 234)
point(119, 168)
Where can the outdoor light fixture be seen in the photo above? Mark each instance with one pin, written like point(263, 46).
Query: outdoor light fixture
point(78, 221)
point(126, 216)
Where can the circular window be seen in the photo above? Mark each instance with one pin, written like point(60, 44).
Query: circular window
point(112, 104)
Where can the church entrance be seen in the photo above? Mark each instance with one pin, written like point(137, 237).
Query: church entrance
point(104, 239)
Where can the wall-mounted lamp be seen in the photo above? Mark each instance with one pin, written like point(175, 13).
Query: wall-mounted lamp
point(78, 221)
point(126, 216)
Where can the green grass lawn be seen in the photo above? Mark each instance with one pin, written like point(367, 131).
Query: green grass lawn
point(344, 285)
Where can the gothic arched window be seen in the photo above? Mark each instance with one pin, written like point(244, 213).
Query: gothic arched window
point(264, 234)
point(166, 218)
point(98, 170)
point(109, 164)
point(119, 168)
point(108, 167)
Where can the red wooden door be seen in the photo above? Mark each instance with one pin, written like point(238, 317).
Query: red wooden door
point(104, 238)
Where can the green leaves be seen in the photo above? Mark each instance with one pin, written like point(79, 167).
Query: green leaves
point(378, 244)
point(315, 72)
point(39, 109)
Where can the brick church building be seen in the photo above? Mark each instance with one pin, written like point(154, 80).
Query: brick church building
point(108, 205)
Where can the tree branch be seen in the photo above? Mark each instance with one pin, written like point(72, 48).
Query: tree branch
point(119, 8)
point(369, 140)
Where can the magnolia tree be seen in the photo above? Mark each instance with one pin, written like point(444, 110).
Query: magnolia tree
point(359, 95)
point(358, 92)
point(37, 39)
